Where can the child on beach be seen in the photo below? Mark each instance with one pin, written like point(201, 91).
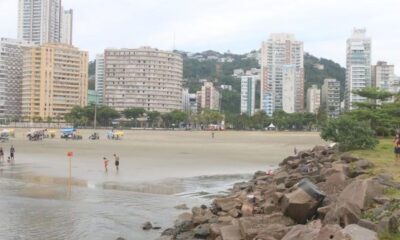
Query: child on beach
point(116, 158)
point(105, 160)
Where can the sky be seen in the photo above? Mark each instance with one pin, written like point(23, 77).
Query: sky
point(235, 25)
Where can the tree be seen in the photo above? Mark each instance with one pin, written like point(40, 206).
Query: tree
point(133, 113)
point(153, 117)
point(349, 133)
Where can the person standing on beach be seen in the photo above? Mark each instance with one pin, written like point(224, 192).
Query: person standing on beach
point(105, 160)
point(397, 148)
point(12, 153)
point(1, 155)
point(116, 158)
point(212, 135)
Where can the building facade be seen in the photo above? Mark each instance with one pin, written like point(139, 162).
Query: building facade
point(145, 77)
point(67, 18)
point(208, 97)
point(282, 74)
point(92, 97)
point(330, 97)
point(185, 100)
point(193, 103)
point(358, 66)
point(313, 99)
point(383, 77)
point(39, 21)
point(248, 94)
point(11, 64)
point(55, 79)
point(99, 78)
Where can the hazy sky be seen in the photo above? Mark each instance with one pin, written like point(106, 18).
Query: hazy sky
point(235, 25)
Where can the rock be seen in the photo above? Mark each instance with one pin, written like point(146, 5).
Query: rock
point(381, 200)
point(184, 222)
point(185, 236)
point(347, 158)
point(302, 232)
point(147, 226)
point(120, 238)
point(388, 224)
point(166, 238)
point(292, 180)
point(225, 219)
point(367, 224)
point(359, 168)
point(247, 209)
point(251, 226)
point(280, 177)
point(359, 233)
point(230, 232)
point(182, 207)
point(281, 187)
point(234, 213)
point(343, 213)
point(202, 231)
point(302, 203)
point(331, 232)
point(215, 230)
point(168, 232)
point(276, 231)
point(202, 215)
point(242, 186)
point(361, 192)
point(259, 174)
point(227, 203)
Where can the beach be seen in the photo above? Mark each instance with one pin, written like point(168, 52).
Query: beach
point(158, 170)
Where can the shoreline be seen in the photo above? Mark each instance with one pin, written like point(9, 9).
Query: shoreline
point(341, 198)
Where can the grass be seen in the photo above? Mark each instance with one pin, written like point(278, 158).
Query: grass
point(383, 158)
point(389, 236)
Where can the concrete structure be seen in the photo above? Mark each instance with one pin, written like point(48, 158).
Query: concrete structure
point(330, 97)
point(99, 78)
point(39, 21)
point(193, 103)
point(282, 74)
point(313, 99)
point(66, 26)
point(208, 97)
point(11, 63)
point(383, 76)
point(55, 79)
point(185, 100)
point(358, 66)
point(92, 97)
point(145, 77)
point(248, 94)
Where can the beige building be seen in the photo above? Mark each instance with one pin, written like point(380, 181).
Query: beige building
point(145, 77)
point(313, 99)
point(208, 97)
point(383, 76)
point(55, 79)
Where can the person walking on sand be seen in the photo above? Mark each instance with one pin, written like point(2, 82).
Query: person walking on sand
point(105, 160)
point(397, 148)
point(1, 155)
point(116, 158)
point(12, 154)
point(212, 135)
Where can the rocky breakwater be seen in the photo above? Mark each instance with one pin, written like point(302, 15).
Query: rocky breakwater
point(319, 194)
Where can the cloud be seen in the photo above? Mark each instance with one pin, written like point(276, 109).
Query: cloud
point(236, 25)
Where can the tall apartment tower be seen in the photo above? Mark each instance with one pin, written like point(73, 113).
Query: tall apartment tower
point(358, 66)
point(55, 79)
point(248, 94)
point(330, 97)
point(99, 78)
point(39, 21)
point(11, 64)
point(383, 76)
point(208, 97)
point(313, 99)
point(66, 26)
point(282, 74)
point(145, 77)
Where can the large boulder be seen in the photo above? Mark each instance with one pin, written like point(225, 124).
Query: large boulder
point(183, 223)
point(276, 231)
point(331, 232)
point(280, 177)
point(342, 213)
point(202, 231)
point(230, 232)
point(359, 233)
point(302, 203)
point(227, 203)
point(302, 232)
point(348, 158)
point(202, 215)
point(362, 192)
point(250, 227)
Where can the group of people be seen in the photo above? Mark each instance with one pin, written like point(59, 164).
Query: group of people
point(116, 162)
point(10, 159)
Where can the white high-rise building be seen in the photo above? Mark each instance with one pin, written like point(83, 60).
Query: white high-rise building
point(185, 100)
point(99, 78)
point(313, 99)
point(383, 76)
point(39, 21)
point(330, 97)
point(248, 94)
point(282, 74)
point(358, 66)
point(11, 69)
point(66, 26)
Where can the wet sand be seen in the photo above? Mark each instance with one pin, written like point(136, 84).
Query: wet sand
point(157, 155)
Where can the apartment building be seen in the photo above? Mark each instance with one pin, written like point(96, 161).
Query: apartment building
point(208, 97)
point(330, 97)
point(248, 94)
point(313, 99)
